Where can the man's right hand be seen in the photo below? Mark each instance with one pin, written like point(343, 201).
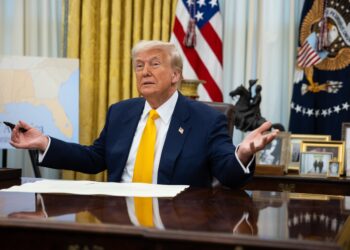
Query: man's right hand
point(31, 139)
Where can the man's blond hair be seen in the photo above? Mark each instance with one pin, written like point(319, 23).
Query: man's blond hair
point(175, 57)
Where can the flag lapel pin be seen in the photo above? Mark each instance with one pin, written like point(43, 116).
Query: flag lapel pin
point(181, 130)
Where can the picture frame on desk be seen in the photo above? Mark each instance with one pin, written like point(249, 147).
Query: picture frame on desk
point(336, 148)
point(295, 148)
point(333, 169)
point(346, 137)
point(273, 159)
point(314, 164)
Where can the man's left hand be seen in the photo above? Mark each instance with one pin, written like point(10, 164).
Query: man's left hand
point(255, 141)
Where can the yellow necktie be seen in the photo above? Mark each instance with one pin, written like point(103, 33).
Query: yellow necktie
point(144, 211)
point(143, 169)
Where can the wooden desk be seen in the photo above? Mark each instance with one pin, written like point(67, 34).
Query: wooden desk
point(296, 183)
point(195, 219)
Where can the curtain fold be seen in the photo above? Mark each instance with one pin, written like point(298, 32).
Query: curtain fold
point(30, 27)
point(101, 34)
point(260, 43)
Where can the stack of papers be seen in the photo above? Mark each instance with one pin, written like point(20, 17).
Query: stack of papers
point(99, 188)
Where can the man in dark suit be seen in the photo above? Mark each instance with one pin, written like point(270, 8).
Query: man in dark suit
point(192, 144)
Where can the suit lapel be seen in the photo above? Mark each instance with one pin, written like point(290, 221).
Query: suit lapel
point(178, 131)
point(133, 114)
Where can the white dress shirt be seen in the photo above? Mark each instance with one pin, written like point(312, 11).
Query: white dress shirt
point(165, 112)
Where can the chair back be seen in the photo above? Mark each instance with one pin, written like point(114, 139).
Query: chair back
point(228, 110)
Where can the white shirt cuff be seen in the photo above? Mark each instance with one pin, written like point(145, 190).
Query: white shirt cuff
point(41, 156)
point(245, 168)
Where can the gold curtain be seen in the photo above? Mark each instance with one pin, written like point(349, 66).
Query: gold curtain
point(101, 34)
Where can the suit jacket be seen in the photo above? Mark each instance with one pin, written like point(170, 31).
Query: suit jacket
point(193, 157)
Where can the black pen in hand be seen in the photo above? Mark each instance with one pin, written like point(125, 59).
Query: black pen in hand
point(12, 126)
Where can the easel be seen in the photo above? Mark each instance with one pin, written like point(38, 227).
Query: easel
point(13, 172)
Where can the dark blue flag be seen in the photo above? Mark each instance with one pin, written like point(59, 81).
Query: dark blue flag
point(321, 91)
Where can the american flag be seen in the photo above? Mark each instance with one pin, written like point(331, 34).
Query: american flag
point(308, 54)
point(321, 101)
point(203, 60)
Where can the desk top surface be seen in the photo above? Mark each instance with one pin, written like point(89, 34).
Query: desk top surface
point(319, 221)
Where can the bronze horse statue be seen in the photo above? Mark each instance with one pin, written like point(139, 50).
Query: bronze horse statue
point(247, 108)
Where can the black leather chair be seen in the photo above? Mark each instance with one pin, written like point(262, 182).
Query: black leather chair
point(228, 110)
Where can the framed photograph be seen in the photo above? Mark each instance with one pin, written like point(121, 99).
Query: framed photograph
point(295, 146)
point(345, 136)
point(336, 148)
point(315, 163)
point(333, 169)
point(276, 152)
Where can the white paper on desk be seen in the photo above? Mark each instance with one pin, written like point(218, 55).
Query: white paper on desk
point(96, 188)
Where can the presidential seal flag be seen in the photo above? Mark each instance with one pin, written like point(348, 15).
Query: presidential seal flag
point(197, 34)
point(321, 89)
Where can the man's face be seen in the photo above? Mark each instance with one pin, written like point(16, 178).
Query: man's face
point(156, 79)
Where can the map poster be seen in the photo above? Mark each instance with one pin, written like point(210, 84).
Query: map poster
point(43, 92)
